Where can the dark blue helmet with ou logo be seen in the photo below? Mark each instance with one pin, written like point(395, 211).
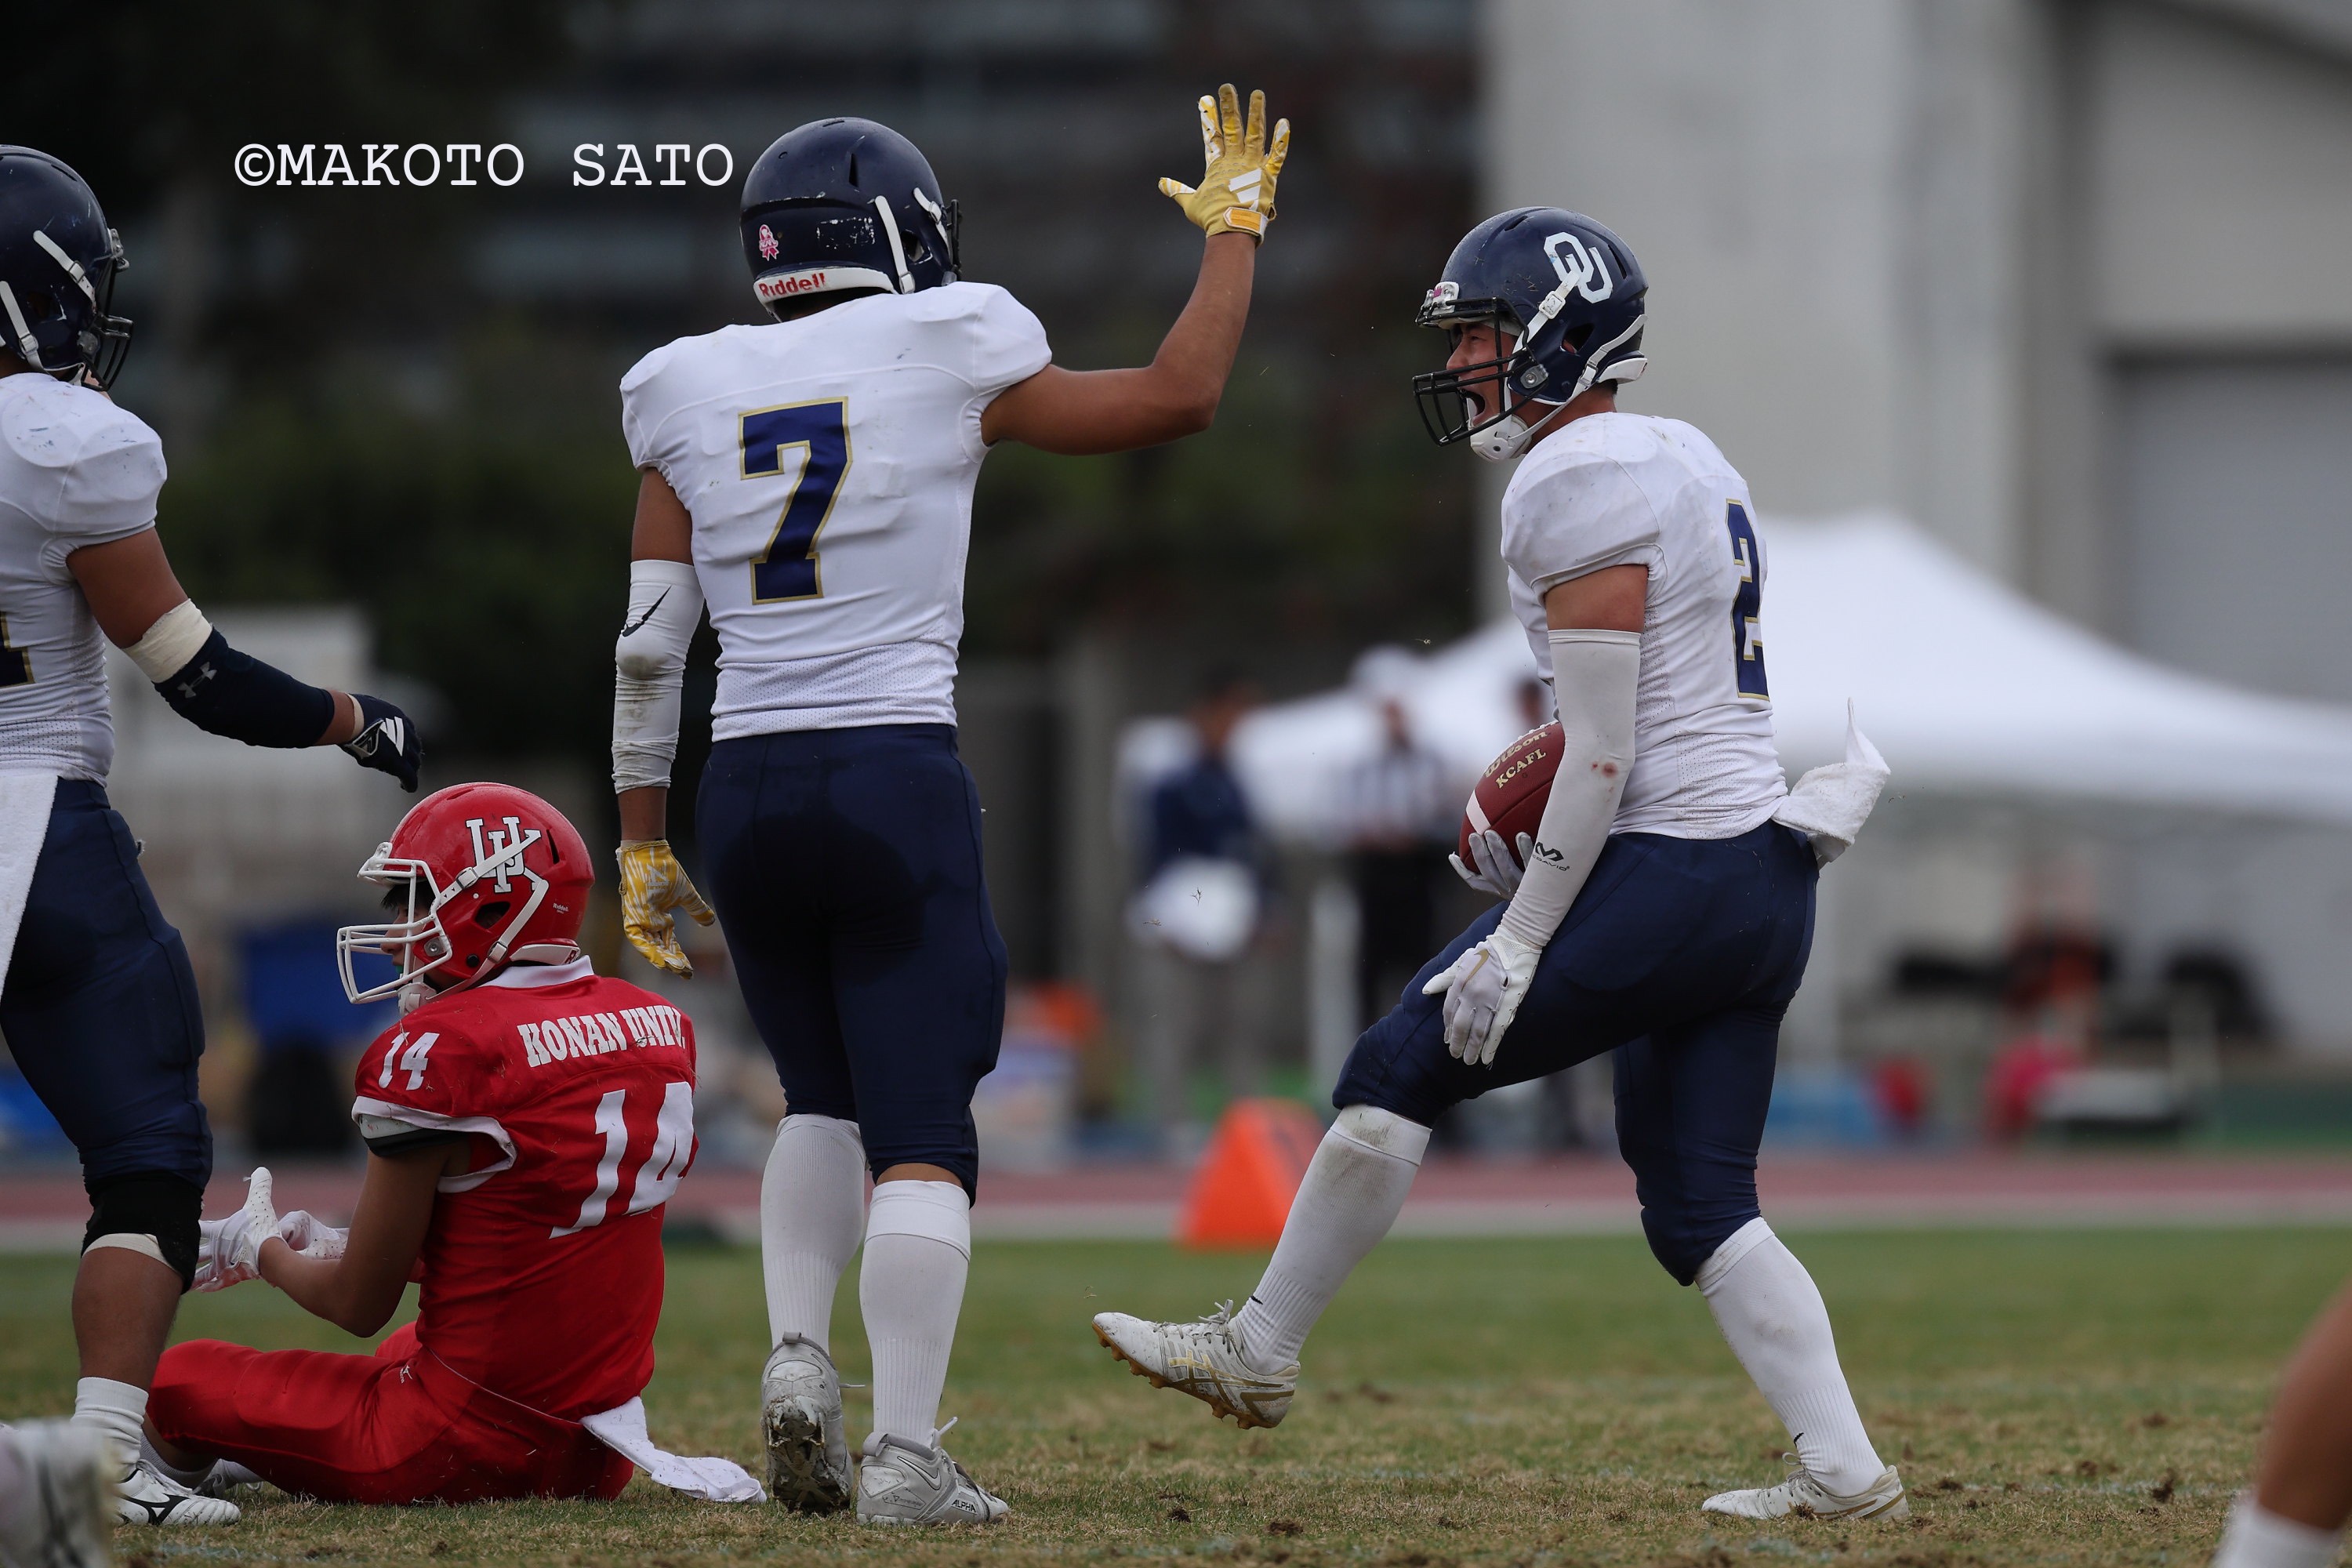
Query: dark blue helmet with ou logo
point(58, 262)
point(846, 204)
point(1566, 288)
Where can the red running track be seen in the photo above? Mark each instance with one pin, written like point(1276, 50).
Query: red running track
point(43, 1208)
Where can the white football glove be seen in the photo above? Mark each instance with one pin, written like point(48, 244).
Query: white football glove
point(311, 1238)
point(1483, 991)
point(228, 1251)
point(1496, 874)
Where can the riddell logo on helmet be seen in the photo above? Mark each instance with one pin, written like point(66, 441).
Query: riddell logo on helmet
point(792, 283)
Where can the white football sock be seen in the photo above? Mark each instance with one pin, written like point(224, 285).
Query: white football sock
point(1354, 1188)
point(812, 1213)
point(2257, 1537)
point(1772, 1312)
point(189, 1475)
point(117, 1409)
point(918, 1251)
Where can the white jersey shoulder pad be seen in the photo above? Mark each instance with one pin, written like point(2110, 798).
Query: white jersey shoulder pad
point(108, 461)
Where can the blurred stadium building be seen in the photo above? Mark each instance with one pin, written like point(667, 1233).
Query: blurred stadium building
point(2060, 280)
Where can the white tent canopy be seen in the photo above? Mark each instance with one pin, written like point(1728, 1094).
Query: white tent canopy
point(1966, 687)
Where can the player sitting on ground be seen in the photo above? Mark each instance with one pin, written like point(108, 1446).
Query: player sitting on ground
point(810, 479)
point(526, 1121)
point(1667, 904)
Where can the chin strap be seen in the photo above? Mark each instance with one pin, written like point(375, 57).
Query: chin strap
point(898, 249)
point(28, 346)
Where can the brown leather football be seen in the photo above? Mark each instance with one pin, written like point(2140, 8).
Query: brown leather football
point(1509, 796)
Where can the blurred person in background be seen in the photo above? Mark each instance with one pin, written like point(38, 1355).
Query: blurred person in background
point(1535, 703)
point(1197, 919)
point(100, 1005)
point(2301, 1497)
point(1398, 809)
point(810, 478)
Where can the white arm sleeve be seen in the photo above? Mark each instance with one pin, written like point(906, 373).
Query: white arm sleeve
point(664, 606)
point(1595, 675)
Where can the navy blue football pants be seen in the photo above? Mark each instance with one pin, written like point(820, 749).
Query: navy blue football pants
point(99, 1007)
point(844, 866)
point(1680, 954)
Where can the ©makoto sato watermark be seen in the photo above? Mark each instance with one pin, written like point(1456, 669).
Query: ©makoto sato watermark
point(391, 164)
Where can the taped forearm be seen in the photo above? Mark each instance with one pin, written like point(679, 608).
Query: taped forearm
point(224, 692)
point(649, 665)
point(1595, 675)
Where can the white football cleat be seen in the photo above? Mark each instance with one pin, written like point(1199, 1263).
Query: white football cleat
point(904, 1483)
point(145, 1495)
point(1202, 1359)
point(800, 1417)
point(226, 1477)
point(1803, 1495)
point(62, 1515)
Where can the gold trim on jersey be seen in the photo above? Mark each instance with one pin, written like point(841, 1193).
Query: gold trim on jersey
point(815, 557)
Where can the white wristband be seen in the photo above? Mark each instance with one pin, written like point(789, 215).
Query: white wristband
point(649, 662)
point(171, 642)
point(1595, 677)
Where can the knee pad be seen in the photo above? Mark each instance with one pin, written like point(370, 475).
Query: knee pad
point(1384, 1133)
point(936, 1211)
point(1728, 1252)
point(1697, 1250)
point(162, 1211)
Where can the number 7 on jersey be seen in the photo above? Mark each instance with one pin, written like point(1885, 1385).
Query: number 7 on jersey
point(789, 568)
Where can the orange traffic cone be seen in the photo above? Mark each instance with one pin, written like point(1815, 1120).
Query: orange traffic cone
point(1242, 1190)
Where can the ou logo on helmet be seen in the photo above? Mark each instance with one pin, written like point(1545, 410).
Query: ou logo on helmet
point(500, 858)
point(1590, 265)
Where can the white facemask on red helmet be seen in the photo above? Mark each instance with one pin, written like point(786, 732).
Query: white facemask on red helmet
point(486, 874)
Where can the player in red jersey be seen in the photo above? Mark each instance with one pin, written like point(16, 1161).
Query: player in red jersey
point(526, 1121)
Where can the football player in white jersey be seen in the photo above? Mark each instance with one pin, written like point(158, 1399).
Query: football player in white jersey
point(809, 479)
point(98, 1004)
point(1665, 908)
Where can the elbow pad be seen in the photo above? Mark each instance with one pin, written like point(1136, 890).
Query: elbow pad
point(229, 693)
point(649, 671)
point(1595, 675)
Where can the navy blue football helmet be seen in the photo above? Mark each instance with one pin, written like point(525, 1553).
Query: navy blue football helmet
point(1566, 288)
point(846, 204)
point(58, 262)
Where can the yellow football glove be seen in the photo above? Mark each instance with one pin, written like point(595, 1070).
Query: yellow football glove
point(652, 884)
point(1237, 194)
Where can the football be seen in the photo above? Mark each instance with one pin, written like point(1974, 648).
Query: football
point(1509, 796)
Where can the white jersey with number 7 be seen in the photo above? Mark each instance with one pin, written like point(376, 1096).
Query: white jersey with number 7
point(828, 464)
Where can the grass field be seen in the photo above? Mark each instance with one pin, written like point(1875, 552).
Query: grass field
point(2075, 1397)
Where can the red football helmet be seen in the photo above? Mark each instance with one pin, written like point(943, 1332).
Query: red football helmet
point(488, 873)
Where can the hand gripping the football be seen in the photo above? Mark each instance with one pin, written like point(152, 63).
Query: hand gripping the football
point(1492, 871)
point(1483, 991)
point(1598, 672)
point(653, 884)
point(1236, 191)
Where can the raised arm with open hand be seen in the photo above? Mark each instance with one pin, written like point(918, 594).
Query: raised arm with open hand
point(1236, 189)
point(1079, 413)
